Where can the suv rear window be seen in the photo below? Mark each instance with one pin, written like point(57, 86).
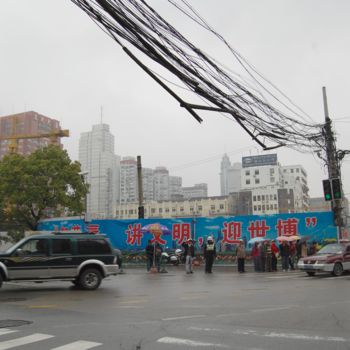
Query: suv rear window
point(93, 246)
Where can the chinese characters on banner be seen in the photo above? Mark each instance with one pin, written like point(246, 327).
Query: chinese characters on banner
point(231, 231)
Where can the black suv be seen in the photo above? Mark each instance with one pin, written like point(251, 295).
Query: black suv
point(84, 259)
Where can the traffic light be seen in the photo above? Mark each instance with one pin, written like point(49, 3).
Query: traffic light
point(327, 190)
point(336, 188)
point(141, 212)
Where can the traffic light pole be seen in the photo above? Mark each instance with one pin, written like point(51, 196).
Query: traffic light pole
point(332, 164)
point(141, 209)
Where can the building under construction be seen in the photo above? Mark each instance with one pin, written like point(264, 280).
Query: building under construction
point(23, 133)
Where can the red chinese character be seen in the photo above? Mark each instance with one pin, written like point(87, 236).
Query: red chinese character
point(134, 234)
point(311, 221)
point(157, 238)
point(232, 232)
point(76, 228)
point(258, 228)
point(93, 228)
point(181, 232)
point(287, 227)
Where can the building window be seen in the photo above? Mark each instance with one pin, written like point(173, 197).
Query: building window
point(292, 171)
point(254, 198)
point(191, 209)
point(247, 182)
point(272, 179)
point(181, 208)
point(297, 170)
point(153, 210)
point(275, 206)
point(272, 171)
point(256, 172)
point(259, 207)
point(131, 212)
point(222, 206)
point(275, 197)
point(254, 207)
point(258, 198)
point(284, 170)
point(263, 207)
point(262, 197)
point(257, 181)
point(173, 210)
point(200, 208)
point(167, 210)
point(160, 210)
point(247, 172)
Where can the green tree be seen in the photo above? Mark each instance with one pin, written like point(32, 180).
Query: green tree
point(31, 188)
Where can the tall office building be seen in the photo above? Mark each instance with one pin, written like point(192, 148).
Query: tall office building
point(101, 168)
point(230, 176)
point(25, 124)
point(128, 180)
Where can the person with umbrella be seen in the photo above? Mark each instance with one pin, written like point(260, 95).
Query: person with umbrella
point(149, 254)
point(188, 254)
point(284, 250)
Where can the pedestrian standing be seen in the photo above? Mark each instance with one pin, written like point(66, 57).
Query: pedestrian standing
point(268, 253)
point(209, 251)
point(256, 257)
point(262, 254)
point(149, 254)
point(275, 252)
point(158, 254)
point(292, 255)
point(284, 249)
point(189, 254)
point(241, 254)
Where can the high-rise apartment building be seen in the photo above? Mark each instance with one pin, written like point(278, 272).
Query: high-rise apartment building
point(230, 176)
point(27, 123)
point(128, 180)
point(100, 167)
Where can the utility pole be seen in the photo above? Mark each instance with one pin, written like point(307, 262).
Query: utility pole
point(141, 210)
point(333, 165)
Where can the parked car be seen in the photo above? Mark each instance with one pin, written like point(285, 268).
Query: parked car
point(84, 259)
point(334, 258)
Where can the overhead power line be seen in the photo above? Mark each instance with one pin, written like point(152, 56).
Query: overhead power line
point(137, 23)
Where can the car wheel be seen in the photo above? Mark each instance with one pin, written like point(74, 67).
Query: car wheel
point(338, 269)
point(90, 279)
point(311, 273)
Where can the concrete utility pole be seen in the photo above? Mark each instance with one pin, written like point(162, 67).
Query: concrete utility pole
point(140, 190)
point(332, 164)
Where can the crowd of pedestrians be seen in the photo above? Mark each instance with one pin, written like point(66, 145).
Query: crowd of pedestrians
point(264, 255)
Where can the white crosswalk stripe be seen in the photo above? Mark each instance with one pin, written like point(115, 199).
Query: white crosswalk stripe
point(78, 345)
point(10, 344)
point(7, 331)
point(37, 337)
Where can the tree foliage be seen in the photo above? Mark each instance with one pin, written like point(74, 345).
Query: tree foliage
point(45, 183)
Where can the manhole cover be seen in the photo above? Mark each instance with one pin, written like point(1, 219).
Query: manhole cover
point(7, 300)
point(13, 323)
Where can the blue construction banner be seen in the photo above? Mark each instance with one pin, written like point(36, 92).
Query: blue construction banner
point(134, 234)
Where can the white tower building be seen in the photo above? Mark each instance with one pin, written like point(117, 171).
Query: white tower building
point(101, 168)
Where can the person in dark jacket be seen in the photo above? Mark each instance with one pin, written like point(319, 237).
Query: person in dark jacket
point(189, 254)
point(284, 251)
point(158, 254)
point(209, 254)
point(149, 254)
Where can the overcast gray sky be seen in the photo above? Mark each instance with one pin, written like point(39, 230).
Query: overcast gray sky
point(57, 62)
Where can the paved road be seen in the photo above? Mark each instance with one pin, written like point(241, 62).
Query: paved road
point(175, 311)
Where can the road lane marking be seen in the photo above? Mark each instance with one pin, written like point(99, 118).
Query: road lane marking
point(294, 336)
point(7, 331)
point(272, 309)
point(78, 345)
point(188, 342)
point(182, 317)
point(9, 344)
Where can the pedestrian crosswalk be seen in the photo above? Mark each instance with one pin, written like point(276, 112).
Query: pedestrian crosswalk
point(40, 337)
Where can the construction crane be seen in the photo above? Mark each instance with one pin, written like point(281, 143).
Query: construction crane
point(53, 135)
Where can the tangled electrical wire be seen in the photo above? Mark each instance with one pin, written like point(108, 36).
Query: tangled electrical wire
point(136, 22)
